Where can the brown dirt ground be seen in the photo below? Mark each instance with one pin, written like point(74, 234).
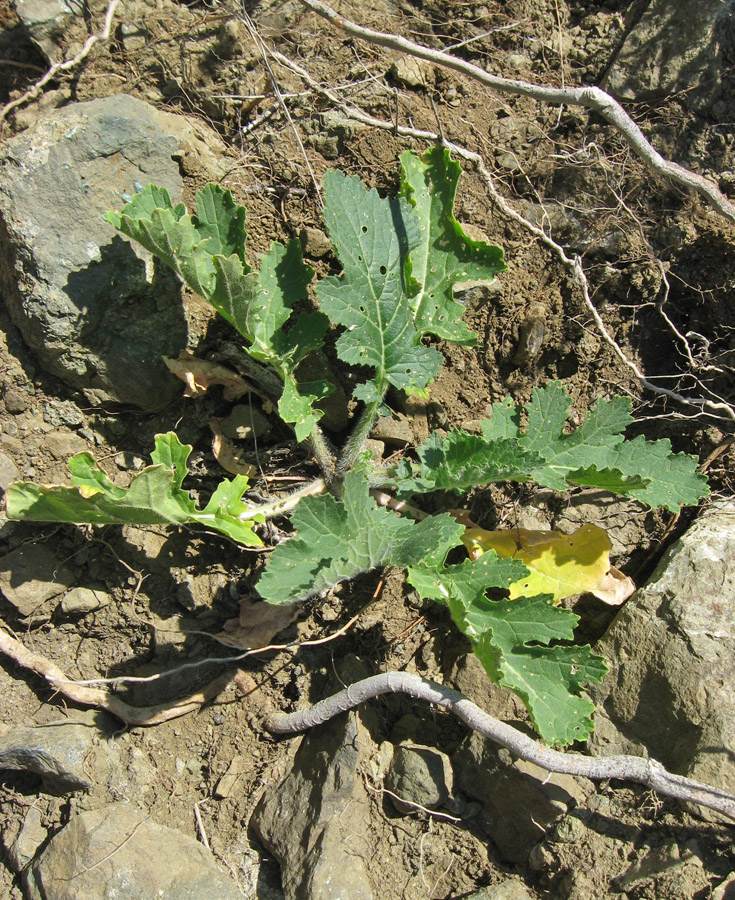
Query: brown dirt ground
point(197, 60)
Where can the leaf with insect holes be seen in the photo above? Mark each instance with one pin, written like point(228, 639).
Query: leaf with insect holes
point(336, 540)
point(155, 496)
point(445, 255)
point(373, 236)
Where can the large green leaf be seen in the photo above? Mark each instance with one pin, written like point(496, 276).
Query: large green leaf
point(512, 638)
point(155, 496)
point(372, 236)
point(554, 455)
point(338, 539)
point(445, 255)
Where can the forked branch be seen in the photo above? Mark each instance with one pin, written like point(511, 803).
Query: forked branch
point(625, 768)
point(588, 97)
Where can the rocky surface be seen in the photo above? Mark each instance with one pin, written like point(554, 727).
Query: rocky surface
point(96, 311)
point(659, 56)
point(118, 851)
point(68, 754)
point(670, 691)
point(314, 820)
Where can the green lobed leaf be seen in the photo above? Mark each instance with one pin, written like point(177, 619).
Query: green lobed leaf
point(336, 540)
point(445, 255)
point(155, 496)
point(207, 250)
point(511, 639)
point(372, 236)
point(595, 454)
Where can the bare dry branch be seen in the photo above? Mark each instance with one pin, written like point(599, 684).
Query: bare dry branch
point(90, 696)
point(626, 768)
point(588, 97)
point(66, 65)
point(717, 408)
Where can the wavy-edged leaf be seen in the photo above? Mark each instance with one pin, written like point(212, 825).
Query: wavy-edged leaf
point(595, 454)
point(445, 255)
point(372, 236)
point(155, 496)
point(207, 250)
point(336, 540)
point(511, 638)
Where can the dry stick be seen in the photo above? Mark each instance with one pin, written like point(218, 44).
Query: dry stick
point(65, 66)
point(572, 264)
point(90, 696)
point(589, 97)
point(625, 768)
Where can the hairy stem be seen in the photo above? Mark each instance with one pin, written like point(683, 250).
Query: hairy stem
point(356, 440)
point(627, 768)
point(285, 504)
point(324, 453)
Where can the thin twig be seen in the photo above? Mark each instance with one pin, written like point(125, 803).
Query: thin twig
point(65, 66)
point(589, 97)
point(626, 768)
point(716, 408)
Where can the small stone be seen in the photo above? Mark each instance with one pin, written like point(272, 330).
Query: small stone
point(232, 777)
point(314, 242)
point(16, 401)
point(128, 461)
point(63, 444)
point(420, 776)
point(8, 472)
point(412, 72)
point(81, 600)
point(512, 889)
point(394, 429)
point(32, 574)
point(30, 837)
point(132, 37)
point(62, 412)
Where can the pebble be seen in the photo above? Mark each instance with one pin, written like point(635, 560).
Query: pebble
point(8, 472)
point(16, 401)
point(82, 600)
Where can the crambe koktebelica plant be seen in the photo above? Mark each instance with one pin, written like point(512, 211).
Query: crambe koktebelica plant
point(401, 258)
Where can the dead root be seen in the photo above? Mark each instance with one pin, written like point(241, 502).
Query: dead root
point(102, 699)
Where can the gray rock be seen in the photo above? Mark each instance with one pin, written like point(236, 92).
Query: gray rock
point(46, 21)
point(659, 56)
point(81, 600)
point(670, 691)
point(117, 852)
point(302, 821)
point(96, 310)
point(32, 574)
point(8, 471)
point(57, 752)
point(30, 837)
point(520, 800)
point(419, 775)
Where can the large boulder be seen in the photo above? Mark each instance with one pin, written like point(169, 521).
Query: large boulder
point(96, 311)
point(670, 692)
point(673, 47)
point(118, 851)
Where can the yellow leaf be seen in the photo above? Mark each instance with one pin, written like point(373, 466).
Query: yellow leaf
point(560, 564)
